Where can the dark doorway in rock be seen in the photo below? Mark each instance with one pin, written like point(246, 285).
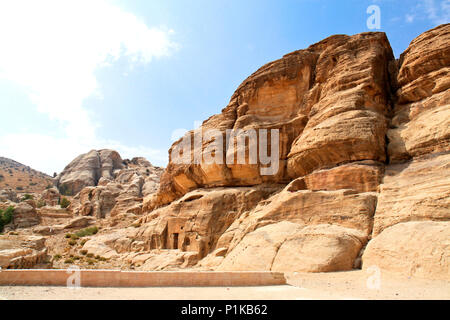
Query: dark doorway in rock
point(175, 241)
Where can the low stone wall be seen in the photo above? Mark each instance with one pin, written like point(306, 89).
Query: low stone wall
point(117, 278)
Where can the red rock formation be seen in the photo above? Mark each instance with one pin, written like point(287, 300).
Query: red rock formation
point(334, 104)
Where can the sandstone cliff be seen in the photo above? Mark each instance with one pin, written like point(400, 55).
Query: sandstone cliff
point(363, 178)
point(364, 147)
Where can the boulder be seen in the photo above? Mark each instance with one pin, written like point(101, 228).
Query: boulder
point(121, 194)
point(79, 222)
point(286, 246)
point(87, 169)
point(50, 197)
point(22, 252)
point(420, 249)
point(25, 214)
point(320, 248)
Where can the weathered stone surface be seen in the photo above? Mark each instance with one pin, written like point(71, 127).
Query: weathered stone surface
point(87, 169)
point(258, 249)
point(79, 222)
point(96, 201)
point(158, 260)
point(361, 176)
point(344, 208)
point(25, 215)
point(320, 248)
point(22, 252)
point(120, 194)
point(286, 246)
point(414, 191)
point(363, 156)
point(329, 102)
point(420, 249)
point(421, 122)
point(8, 195)
point(50, 197)
point(197, 220)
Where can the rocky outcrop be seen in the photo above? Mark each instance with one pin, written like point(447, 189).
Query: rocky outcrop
point(286, 246)
point(362, 171)
point(120, 194)
point(417, 190)
point(363, 146)
point(329, 103)
point(416, 186)
point(87, 169)
point(197, 220)
point(25, 214)
point(419, 249)
point(8, 195)
point(50, 197)
point(22, 252)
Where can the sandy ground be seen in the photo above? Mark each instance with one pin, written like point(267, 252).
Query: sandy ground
point(336, 285)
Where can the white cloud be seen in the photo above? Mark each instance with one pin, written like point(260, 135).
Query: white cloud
point(52, 48)
point(438, 12)
point(409, 18)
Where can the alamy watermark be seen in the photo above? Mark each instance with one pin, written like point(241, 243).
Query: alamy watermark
point(374, 280)
point(74, 280)
point(211, 146)
point(374, 20)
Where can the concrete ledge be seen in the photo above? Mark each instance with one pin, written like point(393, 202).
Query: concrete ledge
point(118, 278)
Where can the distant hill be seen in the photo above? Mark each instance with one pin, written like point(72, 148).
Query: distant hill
point(22, 178)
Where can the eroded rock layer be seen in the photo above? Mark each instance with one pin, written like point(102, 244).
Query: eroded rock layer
point(363, 146)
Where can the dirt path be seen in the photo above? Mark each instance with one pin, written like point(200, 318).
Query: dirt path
point(336, 285)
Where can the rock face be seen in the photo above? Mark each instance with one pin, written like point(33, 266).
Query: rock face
point(121, 193)
point(362, 171)
point(196, 221)
point(8, 195)
point(363, 146)
point(286, 246)
point(50, 197)
point(25, 214)
point(329, 103)
point(420, 249)
point(22, 252)
point(87, 169)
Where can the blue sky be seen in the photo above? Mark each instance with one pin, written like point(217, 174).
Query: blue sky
point(131, 75)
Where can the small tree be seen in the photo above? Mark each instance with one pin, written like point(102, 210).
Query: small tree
point(6, 217)
point(64, 203)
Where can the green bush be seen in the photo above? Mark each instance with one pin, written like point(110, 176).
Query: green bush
point(69, 260)
point(56, 257)
point(74, 237)
point(27, 197)
point(86, 232)
point(83, 252)
point(6, 217)
point(72, 242)
point(64, 203)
